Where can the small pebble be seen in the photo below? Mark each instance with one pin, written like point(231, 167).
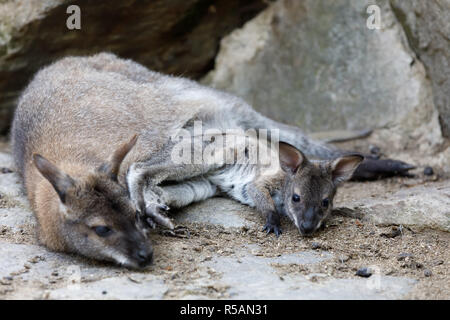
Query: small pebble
point(134, 280)
point(428, 171)
point(104, 292)
point(438, 262)
point(394, 232)
point(404, 255)
point(364, 272)
point(374, 149)
point(36, 259)
point(315, 245)
point(6, 290)
point(427, 273)
point(412, 265)
point(343, 258)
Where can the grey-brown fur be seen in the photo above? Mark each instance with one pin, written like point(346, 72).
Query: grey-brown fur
point(78, 111)
point(269, 189)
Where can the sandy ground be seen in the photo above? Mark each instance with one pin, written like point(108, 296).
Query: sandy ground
point(412, 252)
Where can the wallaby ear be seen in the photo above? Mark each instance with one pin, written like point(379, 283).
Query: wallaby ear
point(59, 180)
point(290, 158)
point(113, 165)
point(343, 168)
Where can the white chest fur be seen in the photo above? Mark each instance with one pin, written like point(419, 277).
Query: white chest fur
point(233, 180)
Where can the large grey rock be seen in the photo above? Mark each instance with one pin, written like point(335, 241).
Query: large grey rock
point(10, 183)
point(147, 287)
point(179, 37)
point(16, 218)
point(222, 212)
point(77, 278)
point(421, 206)
point(6, 160)
point(427, 25)
point(316, 64)
point(42, 263)
point(253, 277)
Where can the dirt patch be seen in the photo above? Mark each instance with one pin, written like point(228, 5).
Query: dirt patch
point(421, 255)
point(417, 253)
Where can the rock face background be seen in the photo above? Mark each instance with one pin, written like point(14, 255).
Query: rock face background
point(317, 65)
point(427, 25)
point(311, 63)
point(177, 36)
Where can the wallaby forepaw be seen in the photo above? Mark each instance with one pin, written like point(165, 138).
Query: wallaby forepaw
point(157, 213)
point(269, 227)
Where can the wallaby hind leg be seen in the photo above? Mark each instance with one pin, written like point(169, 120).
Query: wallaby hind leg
point(182, 194)
point(158, 200)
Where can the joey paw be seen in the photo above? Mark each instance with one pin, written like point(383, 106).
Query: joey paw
point(178, 232)
point(269, 227)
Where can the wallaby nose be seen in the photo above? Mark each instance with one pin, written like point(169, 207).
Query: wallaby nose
point(145, 257)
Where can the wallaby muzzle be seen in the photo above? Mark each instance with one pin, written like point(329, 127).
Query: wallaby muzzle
point(144, 256)
point(310, 221)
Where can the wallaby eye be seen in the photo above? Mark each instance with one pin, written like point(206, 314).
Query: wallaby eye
point(296, 197)
point(102, 231)
point(325, 203)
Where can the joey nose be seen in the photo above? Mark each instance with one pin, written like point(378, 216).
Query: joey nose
point(309, 224)
point(307, 228)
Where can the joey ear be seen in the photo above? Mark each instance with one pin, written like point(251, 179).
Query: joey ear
point(343, 168)
point(290, 158)
point(113, 165)
point(60, 181)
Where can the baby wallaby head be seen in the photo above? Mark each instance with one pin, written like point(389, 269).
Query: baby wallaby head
point(96, 217)
point(310, 186)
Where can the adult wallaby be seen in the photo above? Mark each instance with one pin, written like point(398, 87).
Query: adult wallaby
point(77, 112)
point(79, 205)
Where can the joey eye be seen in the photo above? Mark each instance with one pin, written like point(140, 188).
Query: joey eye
point(296, 197)
point(325, 203)
point(102, 231)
